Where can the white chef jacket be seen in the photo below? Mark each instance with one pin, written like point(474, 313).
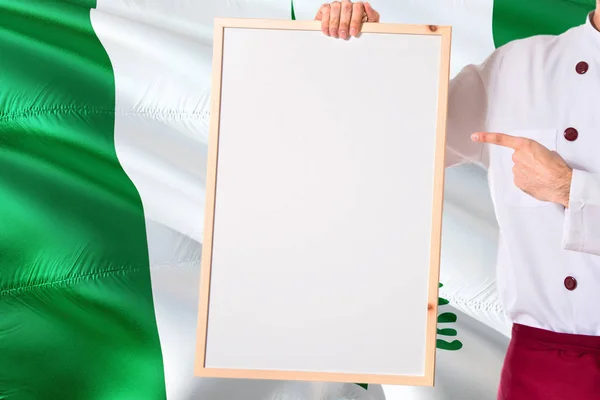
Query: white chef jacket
point(545, 88)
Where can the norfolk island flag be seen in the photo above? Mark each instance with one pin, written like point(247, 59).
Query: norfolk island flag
point(103, 133)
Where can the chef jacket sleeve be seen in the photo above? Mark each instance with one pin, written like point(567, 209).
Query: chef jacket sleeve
point(582, 218)
point(470, 96)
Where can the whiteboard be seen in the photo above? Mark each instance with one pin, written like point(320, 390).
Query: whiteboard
point(324, 203)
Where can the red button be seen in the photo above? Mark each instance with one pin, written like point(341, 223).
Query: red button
point(582, 67)
point(571, 134)
point(570, 283)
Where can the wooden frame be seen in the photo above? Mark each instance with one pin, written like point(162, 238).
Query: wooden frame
point(435, 250)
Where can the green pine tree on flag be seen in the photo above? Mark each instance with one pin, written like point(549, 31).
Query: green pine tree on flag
point(447, 318)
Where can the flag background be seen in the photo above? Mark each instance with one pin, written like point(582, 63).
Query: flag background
point(104, 110)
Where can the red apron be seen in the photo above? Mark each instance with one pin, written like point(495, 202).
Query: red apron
point(545, 365)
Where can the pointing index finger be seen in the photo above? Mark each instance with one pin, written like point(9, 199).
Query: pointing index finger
point(499, 139)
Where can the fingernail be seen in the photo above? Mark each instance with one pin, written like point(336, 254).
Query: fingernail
point(334, 32)
point(343, 34)
point(352, 31)
point(475, 137)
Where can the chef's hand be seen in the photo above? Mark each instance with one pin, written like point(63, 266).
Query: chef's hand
point(344, 19)
point(539, 172)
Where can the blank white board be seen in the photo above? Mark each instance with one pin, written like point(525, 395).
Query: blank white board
point(324, 203)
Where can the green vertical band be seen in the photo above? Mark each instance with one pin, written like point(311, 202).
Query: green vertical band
point(76, 311)
point(518, 19)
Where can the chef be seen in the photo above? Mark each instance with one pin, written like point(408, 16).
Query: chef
point(530, 114)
